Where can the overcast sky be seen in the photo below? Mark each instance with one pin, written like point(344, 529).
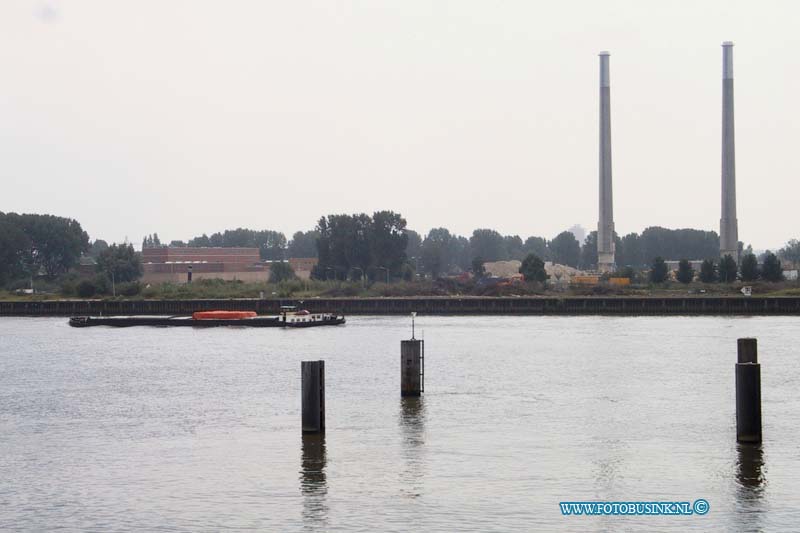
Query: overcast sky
point(188, 117)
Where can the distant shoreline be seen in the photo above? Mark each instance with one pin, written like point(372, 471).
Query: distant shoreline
point(429, 305)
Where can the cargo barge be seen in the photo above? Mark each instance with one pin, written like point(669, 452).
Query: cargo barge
point(290, 317)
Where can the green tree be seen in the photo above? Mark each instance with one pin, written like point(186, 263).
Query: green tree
point(685, 271)
point(202, 241)
point(659, 271)
point(630, 251)
point(460, 251)
point(407, 272)
point(303, 244)
point(673, 244)
point(748, 268)
point(791, 252)
point(13, 246)
point(86, 288)
point(97, 247)
point(708, 271)
point(626, 272)
point(345, 242)
point(271, 244)
point(488, 244)
point(442, 252)
point(772, 270)
point(589, 251)
point(536, 246)
point(514, 247)
point(435, 252)
point(727, 269)
point(478, 270)
point(151, 241)
point(388, 240)
point(565, 249)
point(532, 269)
point(120, 263)
point(414, 244)
point(54, 244)
point(280, 271)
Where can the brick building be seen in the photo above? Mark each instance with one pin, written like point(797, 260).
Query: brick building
point(303, 266)
point(171, 264)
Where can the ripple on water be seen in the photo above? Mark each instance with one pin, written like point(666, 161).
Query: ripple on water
point(182, 429)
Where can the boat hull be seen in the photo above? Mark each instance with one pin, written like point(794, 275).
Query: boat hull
point(187, 321)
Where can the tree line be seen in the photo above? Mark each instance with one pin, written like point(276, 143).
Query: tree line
point(377, 246)
point(638, 250)
point(442, 252)
point(724, 271)
point(272, 245)
point(359, 245)
point(39, 244)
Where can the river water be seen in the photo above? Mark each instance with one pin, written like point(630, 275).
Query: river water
point(199, 429)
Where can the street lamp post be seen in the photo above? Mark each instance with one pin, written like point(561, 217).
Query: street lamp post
point(362, 275)
point(387, 272)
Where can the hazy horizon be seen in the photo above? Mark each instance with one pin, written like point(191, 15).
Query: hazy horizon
point(185, 118)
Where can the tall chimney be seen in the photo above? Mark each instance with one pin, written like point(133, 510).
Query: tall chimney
point(728, 225)
point(605, 226)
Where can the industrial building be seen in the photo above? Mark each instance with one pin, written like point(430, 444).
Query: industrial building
point(172, 264)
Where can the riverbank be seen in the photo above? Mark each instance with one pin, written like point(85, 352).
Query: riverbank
point(542, 305)
point(446, 287)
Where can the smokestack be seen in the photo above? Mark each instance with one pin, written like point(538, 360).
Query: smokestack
point(605, 226)
point(728, 225)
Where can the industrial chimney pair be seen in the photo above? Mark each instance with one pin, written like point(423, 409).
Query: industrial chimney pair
point(728, 225)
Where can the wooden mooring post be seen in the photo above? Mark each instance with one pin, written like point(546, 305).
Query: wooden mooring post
point(313, 373)
point(748, 392)
point(412, 361)
point(412, 365)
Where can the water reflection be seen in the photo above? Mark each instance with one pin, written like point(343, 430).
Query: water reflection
point(750, 470)
point(609, 461)
point(313, 483)
point(750, 480)
point(412, 424)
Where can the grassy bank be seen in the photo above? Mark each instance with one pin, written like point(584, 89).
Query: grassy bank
point(298, 289)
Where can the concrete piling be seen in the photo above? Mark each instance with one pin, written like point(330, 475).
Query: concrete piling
point(748, 392)
point(313, 401)
point(747, 350)
point(412, 365)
